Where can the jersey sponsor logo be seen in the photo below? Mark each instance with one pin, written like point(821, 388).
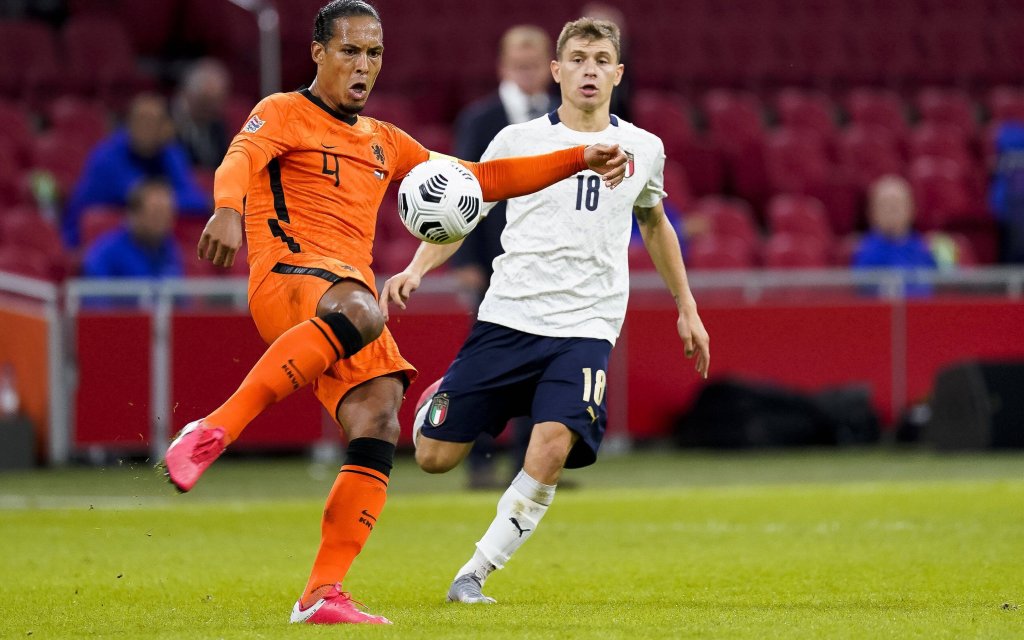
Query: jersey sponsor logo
point(378, 151)
point(438, 410)
point(630, 163)
point(253, 125)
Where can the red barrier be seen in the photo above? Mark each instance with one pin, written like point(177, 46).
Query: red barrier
point(806, 346)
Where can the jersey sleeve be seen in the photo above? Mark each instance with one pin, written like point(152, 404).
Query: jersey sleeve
point(409, 152)
point(654, 190)
point(264, 136)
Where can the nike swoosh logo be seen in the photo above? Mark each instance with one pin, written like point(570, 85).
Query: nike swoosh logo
point(368, 515)
point(328, 146)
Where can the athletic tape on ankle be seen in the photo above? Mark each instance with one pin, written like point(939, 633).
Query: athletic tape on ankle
point(348, 336)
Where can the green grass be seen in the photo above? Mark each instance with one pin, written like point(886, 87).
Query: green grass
point(818, 544)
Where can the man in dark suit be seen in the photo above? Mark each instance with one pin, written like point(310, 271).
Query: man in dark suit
point(524, 93)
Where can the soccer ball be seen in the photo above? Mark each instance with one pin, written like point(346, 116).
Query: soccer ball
point(439, 201)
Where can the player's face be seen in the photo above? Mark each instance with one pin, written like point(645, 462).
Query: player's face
point(587, 72)
point(348, 66)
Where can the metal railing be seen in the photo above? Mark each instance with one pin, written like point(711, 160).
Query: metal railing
point(60, 305)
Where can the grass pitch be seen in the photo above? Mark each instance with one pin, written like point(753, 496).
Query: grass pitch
point(819, 544)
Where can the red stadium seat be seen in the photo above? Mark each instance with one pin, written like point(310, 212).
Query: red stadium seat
point(28, 61)
point(25, 262)
point(86, 122)
point(668, 117)
point(845, 249)
point(796, 161)
point(30, 233)
point(1006, 103)
point(788, 251)
point(867, 153)
point(885, 54)
point(941, 193)
point(150, 24)
point(940, 140)
point(64, 159)
point(97, 221)
point(818, 54)
point(677, 186)
point(639, 258)
point(734, 120)
point(102, 59)
point(799, 215)
point(878, 108)
point(807, 110)
point(713, 252)
point(956, 52)
point(16, 132)
point(947, 107)
point(730, 217)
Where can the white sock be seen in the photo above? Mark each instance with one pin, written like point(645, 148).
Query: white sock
point(520, 509)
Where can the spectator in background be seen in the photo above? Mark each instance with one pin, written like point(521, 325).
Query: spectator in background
point(892, 242)
point(622, 93)
point(1006, 194)
point(144, 246)
point(143, 148)
point(524, 93)
point(198, 112)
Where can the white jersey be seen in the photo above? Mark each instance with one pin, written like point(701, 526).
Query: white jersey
point(565, 270)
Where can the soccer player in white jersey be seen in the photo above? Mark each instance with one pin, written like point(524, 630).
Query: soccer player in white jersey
point(556, 302)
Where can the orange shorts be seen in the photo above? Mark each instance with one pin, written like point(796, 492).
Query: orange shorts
point(286, 293)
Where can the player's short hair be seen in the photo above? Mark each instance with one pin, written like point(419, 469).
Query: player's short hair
point(323, 26)
point(589, 29)
point(137, 194)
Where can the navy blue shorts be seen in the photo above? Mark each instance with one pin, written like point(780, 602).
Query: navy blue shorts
point(501, 373)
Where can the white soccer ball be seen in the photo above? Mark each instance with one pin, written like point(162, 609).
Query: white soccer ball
point(439, 201)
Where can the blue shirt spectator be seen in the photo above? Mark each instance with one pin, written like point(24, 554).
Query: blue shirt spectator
point(892, 242)
point(142, 149)
point(1006, 194)
point(144, 247)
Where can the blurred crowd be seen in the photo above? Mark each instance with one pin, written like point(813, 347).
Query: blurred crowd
point(109, 146)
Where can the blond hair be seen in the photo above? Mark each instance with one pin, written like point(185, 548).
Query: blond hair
point(526, 35)
point(589, 29)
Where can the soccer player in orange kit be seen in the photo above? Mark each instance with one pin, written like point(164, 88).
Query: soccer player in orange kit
point(310, 174)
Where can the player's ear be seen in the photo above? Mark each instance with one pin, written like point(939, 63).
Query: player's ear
point(556, 71)
point(317, 52)
point(619, 70)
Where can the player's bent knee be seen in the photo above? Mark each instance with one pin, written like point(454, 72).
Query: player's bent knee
point(435, 459)
point(353, 316)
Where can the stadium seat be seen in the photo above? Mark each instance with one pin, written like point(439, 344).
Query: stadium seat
point(729, 217)
point(1006, 103)
point(947, 107)
point(98, 220)
point(788, 251)
point(16, 132)
point(64, 159)
point(639, 258)
point(28, 61)
point(940, 140)
point(956, 53)
point(102, 60)
point(845, 249)
point(885, 53)
point(712, 252)
point(868, 152)
point(677, 186)
point(29, 232)
point(25, 262)
point(817, 54)
point(941, 193)
point(811, 110)
point(150, 24)
point(734, 122)
point(799, 215)
point(878, 108)
point(796, 161)
point(86, 122)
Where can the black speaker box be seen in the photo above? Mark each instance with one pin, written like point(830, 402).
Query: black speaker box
point(978, 405)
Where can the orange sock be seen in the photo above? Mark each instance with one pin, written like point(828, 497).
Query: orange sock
point(295, 359)
point(351, 513)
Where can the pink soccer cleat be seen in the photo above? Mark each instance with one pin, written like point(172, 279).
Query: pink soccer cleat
point(337, 607)
point(192, 451)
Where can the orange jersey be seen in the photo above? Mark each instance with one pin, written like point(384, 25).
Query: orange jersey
point(315, 179)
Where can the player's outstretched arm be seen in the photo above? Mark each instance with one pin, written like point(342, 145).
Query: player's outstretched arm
point(663, 246)
point(505, 178)
point(400, 286)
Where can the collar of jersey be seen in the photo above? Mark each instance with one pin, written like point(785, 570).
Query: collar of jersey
point(347, 119)
point(554, 119)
